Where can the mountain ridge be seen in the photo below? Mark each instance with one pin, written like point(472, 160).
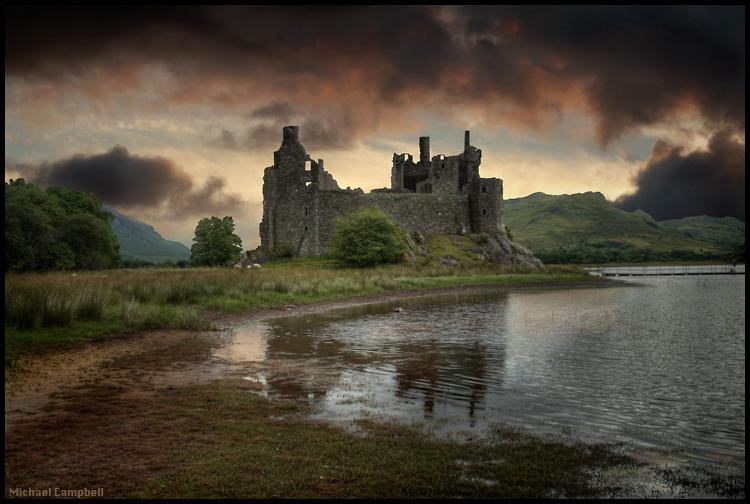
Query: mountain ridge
point(585, 227)
point(140, 241)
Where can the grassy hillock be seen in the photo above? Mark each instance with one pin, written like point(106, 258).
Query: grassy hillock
point(586, 228)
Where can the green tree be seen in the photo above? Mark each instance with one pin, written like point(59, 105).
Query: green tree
point(215, 243)
point(366, 238)
point(50, 229)
point(90, 240)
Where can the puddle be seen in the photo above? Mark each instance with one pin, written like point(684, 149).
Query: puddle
point(246, 344)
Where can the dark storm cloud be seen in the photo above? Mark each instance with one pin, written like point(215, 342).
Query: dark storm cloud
point(334, 129)
point(635, 65)
point(124, 181)
point(673, 184)
point(639, 63)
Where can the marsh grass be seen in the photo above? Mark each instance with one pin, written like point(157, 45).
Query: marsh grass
point(57, 311)
point(172, 298)
point(385, 460)
point(89, 306)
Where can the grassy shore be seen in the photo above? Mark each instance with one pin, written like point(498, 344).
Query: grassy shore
point(220, 440)
point(48, 311)
point(262, 449)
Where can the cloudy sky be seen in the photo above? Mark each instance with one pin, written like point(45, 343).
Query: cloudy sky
point(171, 114)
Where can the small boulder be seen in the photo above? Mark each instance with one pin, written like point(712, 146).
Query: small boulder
point(448, 261)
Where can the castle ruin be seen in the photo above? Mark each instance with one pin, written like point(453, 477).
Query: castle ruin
point(433, 195)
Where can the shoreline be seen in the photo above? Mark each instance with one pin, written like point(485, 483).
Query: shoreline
point(67, 366)
point(316, 307)
point(202, 313)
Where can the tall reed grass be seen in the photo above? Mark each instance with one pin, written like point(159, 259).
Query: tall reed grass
point(152, 298)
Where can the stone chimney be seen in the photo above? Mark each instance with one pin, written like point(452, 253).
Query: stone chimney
point(467, 139)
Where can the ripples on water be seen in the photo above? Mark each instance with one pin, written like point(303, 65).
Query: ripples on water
point(659, 365)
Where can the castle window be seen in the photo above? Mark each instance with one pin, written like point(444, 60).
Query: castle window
point(484, 212)
point(484, 188)
point(305, 228)
point(305, 210)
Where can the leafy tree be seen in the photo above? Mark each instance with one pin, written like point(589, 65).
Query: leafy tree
point(90, 240)
point(215, 243)
point(366, 238)
point(50, 229)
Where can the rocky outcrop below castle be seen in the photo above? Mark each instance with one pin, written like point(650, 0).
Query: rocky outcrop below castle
point(447, 250)
point(454, 250)
point(500, 249)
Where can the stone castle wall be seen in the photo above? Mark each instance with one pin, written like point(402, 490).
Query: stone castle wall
point(301, 205)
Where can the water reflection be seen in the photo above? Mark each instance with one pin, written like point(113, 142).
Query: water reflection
point(373, 343)
point(247, 345)
point(445, 372)
point(660, 365)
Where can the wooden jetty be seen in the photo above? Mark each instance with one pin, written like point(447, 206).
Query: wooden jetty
point(698, 270)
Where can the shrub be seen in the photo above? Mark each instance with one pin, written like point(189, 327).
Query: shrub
point(367, 238)
point(280, 251)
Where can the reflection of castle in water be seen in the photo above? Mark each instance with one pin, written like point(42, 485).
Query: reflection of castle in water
point(455, 373)
point(432, 371)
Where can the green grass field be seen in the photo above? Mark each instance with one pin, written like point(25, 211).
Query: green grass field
point(48, 311)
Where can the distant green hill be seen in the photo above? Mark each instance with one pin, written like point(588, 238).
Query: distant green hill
point(585, 227)
point(139, 241)
point(723, 231)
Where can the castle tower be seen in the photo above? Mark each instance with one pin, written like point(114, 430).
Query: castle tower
point(424, 149)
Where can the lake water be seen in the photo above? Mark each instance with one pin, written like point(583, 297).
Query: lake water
point(659, 365)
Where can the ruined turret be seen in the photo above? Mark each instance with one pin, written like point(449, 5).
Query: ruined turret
point(434, 195)
point(424, 149)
